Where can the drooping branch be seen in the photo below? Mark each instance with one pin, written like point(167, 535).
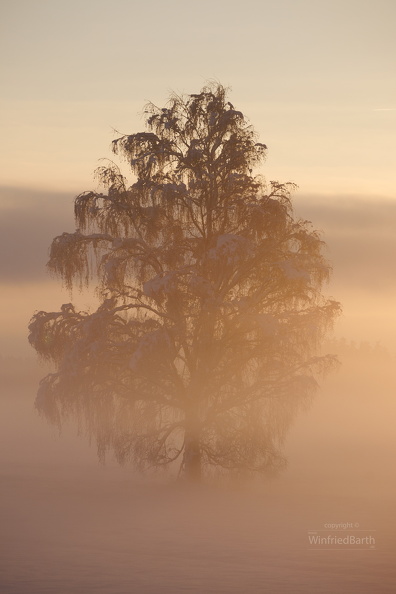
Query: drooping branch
point(205, 342)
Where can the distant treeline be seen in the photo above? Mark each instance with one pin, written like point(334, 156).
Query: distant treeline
point(359, 351)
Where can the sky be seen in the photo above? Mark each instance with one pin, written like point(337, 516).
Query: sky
point(315, 78)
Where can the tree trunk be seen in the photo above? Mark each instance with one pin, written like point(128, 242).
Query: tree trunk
point(192, 460)
point(192, 454)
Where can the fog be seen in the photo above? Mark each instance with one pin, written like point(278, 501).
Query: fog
point(358, 232)
point(70, 524)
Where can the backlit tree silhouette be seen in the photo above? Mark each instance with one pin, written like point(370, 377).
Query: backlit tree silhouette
point(211, 313)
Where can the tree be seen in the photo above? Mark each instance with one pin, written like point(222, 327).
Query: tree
point(204, 345)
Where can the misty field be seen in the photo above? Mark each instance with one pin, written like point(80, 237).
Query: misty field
point(70, 525)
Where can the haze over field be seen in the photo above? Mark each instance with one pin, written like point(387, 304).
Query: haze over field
point(316, 80)
point(359, 233)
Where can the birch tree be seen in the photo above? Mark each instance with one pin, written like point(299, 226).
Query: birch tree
point(205, 343)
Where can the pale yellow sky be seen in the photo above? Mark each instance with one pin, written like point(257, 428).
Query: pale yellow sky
point(316, 78)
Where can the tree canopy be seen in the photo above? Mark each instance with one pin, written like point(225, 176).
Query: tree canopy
point(205, 343)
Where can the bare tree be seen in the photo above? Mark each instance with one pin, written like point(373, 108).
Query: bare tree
point(205, 343)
